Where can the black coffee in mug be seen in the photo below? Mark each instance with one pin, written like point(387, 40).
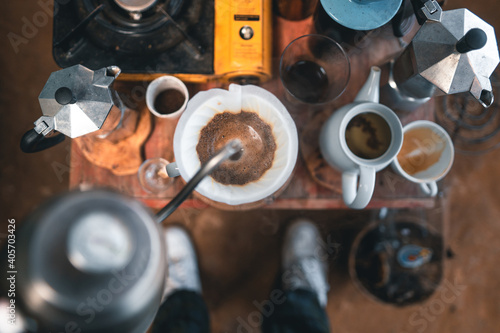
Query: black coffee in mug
point(169, 101)
point(368, 135)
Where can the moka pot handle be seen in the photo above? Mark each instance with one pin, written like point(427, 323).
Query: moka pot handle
point(33, 142)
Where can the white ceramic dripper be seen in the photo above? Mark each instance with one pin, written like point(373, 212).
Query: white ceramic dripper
point(202, 108)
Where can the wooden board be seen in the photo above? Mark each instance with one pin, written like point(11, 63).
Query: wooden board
point(303, 192)
point(121, 156)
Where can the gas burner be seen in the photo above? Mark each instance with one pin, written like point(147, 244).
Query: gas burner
point(139, 36)
point(139, 26)
point(135, 6)
point(473, 129)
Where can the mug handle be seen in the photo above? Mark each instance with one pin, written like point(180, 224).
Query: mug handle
point(358, 196)
point(173, 170)
point(430, 189)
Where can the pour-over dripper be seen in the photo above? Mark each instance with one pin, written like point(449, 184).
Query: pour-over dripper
point(207, 105)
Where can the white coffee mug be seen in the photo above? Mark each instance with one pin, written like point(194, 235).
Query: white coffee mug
point(436, 145)
point(200, 111)
point(161, 84)
point(358, 174)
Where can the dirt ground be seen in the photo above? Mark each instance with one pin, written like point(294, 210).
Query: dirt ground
point(240, 254)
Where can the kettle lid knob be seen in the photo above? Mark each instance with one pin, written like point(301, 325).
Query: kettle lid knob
point(64, 96)
point(474, 39)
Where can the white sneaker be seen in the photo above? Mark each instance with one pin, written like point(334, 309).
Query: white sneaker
point(304, 260)
point(182, 265)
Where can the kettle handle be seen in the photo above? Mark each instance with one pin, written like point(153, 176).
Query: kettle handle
point(399, 22)
point(33, 142)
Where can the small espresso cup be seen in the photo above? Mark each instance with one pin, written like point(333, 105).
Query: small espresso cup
point(342, 142)
point(167, 97)
point(426, 155)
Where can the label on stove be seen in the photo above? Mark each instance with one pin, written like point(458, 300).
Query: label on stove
point(246, 17)
point(247, 53)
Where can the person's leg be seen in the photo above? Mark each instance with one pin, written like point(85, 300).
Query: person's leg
point(303, 282)
point(300, 312)
point(183, 309)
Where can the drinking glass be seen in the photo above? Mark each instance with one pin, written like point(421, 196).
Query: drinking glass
point(314, 69)
point(153, 175)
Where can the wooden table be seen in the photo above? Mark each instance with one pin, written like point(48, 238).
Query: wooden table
point(302, 192)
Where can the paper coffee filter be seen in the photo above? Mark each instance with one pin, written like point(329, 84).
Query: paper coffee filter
point(203, 107)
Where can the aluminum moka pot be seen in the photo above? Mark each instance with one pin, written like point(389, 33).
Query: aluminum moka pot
point(75, 101)
point(454, 51)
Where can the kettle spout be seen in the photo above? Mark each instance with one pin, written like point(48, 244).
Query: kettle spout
point(370, 92)
point(486, 98)
point(482, 91)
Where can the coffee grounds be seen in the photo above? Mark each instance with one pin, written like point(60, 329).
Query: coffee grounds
point(169, 101)
point(256, 137)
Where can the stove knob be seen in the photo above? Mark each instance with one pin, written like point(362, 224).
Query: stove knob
point(246, 32)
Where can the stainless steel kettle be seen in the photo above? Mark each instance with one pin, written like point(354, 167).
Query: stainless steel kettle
point(454, 51)
point(89, 261)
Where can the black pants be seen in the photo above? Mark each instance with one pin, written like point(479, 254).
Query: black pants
point(186, 312)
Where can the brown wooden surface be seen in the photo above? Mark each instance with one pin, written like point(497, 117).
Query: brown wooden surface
point(302, 192)
point(120, 152)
